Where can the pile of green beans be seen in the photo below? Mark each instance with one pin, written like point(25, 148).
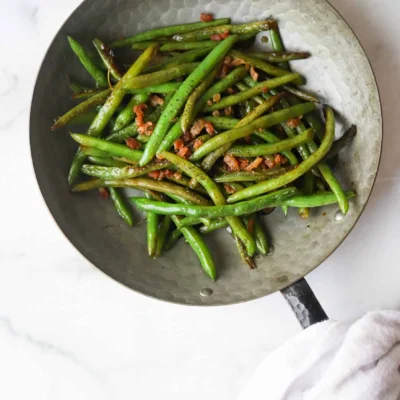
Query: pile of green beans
point(210, 134)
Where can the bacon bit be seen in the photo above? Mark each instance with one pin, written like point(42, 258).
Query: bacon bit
point(231, 162)
point(205, 17)
point(294, 122)
point(250, 225)
point(156, 100)
point(224, 71)
point(184, 152)
point(209, 102)
point(178, 144)
point(160, 157)
point(168, 173)
point(197, 143)
point(265, 90)
point(228, 111)
point(216, 98)
point(209, 128)
point(231, 91)
point(145, 129)
point(215, 113)
point(216, 37)
point(229, 189)
point(279, 159)
point(238, 61)
point(103, 193)
point(224, 35)
point(269, 163)
point(154, 174)
point(177, 175)
point(227, 60)
point(198, 126)
point(187, 137)
point(244, 163)
point(139, 111)
point(247, 138)
point(254, 164)
point(132, 143)
point(253, 74)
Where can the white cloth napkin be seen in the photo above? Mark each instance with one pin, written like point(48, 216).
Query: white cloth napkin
point(334, 360)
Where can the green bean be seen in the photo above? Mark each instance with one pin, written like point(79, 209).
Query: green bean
point(275, 183)
point(106, 162)
point(308, 189)
point(214, 225)
point(223, 123)
point(167, 31)
point(243, 253)
point(76, 165)
point(264, 66)
point(341, 143)
point(184, 181)
point(258, 233)
point(86, 93)
point(124, 172)
point(173, 45)
point(114, 149)
point(277, 45)
point(314, 120)
point(91, 151)
point(143, 183)
point(206, 33)
point(75, 86)
point(127, 114)
point(187, 57)
point(301, 94)
point(190, 110)
point(266, 149)
point(98, 75)
point(215, 194)
point(250, 93)
point(169, 87)
point(272, 138)
point(81, 108)
point(152, 230)
point(226, 82)
point(122, 208)
point(316, 200)
point(159, 77)
point(213, 212)
point(81, 119)
point(252, 176)
point(243, 88)
point(260, 123)
point(280, 56)
point(163, 233)
point(172, 239)
point(200, 248)
point(181, 96)
point(107, 56)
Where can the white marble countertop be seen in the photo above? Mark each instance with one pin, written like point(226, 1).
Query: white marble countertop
point(69, 332)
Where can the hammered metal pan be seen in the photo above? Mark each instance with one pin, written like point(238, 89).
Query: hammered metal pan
point(338, 72)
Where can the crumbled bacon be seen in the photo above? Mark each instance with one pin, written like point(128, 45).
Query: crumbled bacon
point(265, 90)
point(187, 137)
point(228, 111)
point(209, 102)
point(209, 128)
point(156, 100)
point(254, 164)
point(132, 143)
point(198, 126)
point(253, 74)
point(177, 175)
point(103, 193)
point(160, 157)
point(231, 91)
point(227, 60)
point(154, 174)
point(215, 113)
point(224, 35)
point(229, 189)
point(224, 71)
point(216, 37)
point(205, 17)
point(244, 163)
point(216, 98)
point(231, 162)
point(197, 143)
point(293, 122)
point(238, 61)
point(184, 152)
point(146, 128)
point(279, 159)
point(168, 173)
point(269, 163)
point(178, 144)
point(139, 111)
point(250, 225)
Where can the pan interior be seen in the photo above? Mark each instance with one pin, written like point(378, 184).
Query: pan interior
point(338, 72)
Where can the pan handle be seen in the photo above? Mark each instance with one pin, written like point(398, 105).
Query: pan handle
point(304, 304)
